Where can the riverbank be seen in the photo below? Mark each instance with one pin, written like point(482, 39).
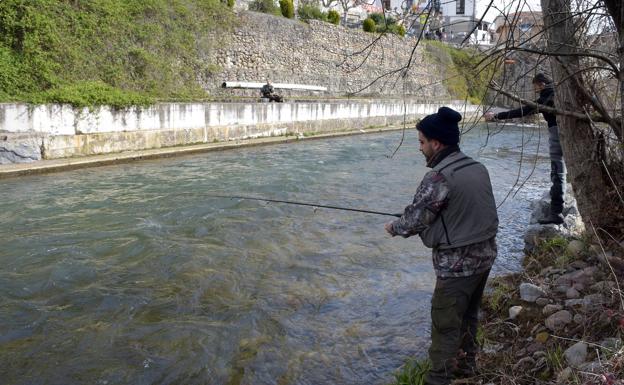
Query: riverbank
point(558, 321)
point(55, 165)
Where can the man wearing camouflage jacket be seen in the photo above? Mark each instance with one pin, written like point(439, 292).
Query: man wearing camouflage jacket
point(454, 213)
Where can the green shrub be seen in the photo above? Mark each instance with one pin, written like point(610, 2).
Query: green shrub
point(477, 78)
point(87, 94)
point(333, 17)
point(369, 25)
point(311, 12)
point(288, 8)
point(387, 24)
point(413, 372)
point(265, 6)
point(8, 70)
point(154, 48)
point(497, 298)
point(463, 79)
point(392, 28)
point(555, 358)
point(381, 20)
point(378, 18)
point(231, 3)
point(400, 30)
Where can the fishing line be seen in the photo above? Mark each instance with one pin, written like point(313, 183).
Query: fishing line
point(302, 204)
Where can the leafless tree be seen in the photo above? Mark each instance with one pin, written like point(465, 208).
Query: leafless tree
point(347, 5)
point(584, 48)
point(581, 44)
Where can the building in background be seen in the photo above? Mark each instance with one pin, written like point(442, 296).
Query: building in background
point(519, 28)
point(398, 7)
point(461, 17)
point(454, 19)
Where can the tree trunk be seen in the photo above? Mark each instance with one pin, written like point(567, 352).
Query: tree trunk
point(616, 10)
point(589, 169)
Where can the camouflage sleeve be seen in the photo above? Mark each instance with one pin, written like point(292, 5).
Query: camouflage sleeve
point(430, 198)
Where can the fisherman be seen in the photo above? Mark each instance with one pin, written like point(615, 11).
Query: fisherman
point(454, 213)
point(268, 92)
point(544, 86)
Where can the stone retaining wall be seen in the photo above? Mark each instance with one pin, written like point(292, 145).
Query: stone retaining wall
point(317, 53)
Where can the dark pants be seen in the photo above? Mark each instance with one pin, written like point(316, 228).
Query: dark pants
point(274, 97)
point(454, 318)
point(557, 171)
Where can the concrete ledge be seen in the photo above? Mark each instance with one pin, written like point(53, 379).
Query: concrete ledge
point(32, 134)
point(48, 166)
point(64, 146)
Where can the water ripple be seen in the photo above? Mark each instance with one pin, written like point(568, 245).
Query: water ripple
point(132, 274)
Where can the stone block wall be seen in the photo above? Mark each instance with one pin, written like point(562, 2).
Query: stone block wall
point(342, 59)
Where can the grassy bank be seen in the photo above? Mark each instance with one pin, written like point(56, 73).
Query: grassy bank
point(109, 51)
point(572, 334)
point(464, 78)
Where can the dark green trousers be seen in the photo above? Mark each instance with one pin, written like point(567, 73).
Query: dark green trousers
point(454, 319)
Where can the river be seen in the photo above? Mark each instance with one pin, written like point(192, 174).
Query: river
point(131, 274)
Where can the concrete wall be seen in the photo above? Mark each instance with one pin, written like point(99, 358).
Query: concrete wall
point(30, 133)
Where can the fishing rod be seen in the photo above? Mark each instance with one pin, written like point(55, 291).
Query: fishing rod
point(302, 204)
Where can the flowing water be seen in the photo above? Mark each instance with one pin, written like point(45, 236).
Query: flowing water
point(130, 274)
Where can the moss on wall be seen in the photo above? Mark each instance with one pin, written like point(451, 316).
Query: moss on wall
point(466, 77)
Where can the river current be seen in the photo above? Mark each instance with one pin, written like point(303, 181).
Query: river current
point(132, 274)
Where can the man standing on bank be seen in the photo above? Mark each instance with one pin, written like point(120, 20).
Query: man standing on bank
point(454, 213)
point(544, 86)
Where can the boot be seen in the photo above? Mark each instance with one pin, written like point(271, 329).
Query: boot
point(553, 218)
point(465, 367)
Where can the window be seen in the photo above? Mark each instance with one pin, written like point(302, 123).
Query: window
point(460, 7)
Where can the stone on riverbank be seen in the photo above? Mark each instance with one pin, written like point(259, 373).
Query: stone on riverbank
point(572, 293)
point(558, 320)
point(570, 300)
point(571, 227)
point(514, 311)
point(19, 148)
point(551, 309)
point(575, 247)
point(530, 292)
point(576, 354)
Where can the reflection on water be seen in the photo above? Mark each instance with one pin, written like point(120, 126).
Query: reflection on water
point(130, 275)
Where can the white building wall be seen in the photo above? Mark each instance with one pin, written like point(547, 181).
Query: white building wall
point(449, 8)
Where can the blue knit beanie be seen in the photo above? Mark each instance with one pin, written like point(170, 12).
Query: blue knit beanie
point(441, 126)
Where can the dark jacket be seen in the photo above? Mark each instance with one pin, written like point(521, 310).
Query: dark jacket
point(431, 198)
point(267, 90)
point(546, 97)
point(470, 213)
